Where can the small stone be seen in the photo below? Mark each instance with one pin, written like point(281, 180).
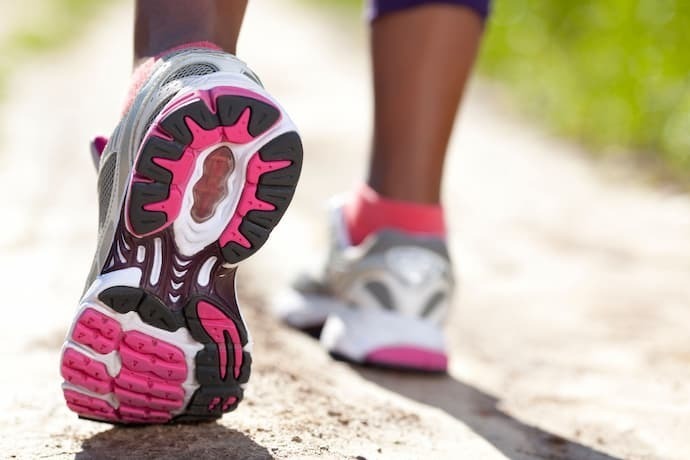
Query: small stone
point(296, 439)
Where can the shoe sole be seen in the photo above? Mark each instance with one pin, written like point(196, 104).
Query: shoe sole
point(159, 336)
point(381, 339)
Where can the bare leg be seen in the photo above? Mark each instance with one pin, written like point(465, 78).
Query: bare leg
point(421, 60)
point(164, 24)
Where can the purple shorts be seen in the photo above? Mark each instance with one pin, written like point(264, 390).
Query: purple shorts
point(378, 8)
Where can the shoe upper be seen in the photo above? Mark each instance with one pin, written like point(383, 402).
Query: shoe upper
point(390, 270)
point(171, 76)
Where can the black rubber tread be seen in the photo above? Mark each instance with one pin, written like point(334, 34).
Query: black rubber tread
point(287, 146)
point(151, 310)
point(229, 109)
point(122, 299)
point(279, 197)
point(256, 234)
point(262, 117)
point(156, 147)
point(141, 194)
point(234, 253)
point(275, 187)
point(175, 125)
point(207, 370)
point(266, 219)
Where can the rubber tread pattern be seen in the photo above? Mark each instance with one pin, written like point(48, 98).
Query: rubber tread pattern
point(147, 389)
point(274, 187)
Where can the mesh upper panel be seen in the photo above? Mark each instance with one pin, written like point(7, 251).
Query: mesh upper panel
point(105, 187)
point(189, 71)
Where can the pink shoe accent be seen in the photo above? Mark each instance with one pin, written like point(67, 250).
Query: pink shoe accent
point(368, 212)
point(226, 405)
point(78, 369)
point(141, 73)
point(214, 402)
point(135, 399)
point(97, 331)
point(89, 406)
point(217, 325)
point(201, 140)
point(149, 384)
point(142, 363)
point(99, 143)
point(153, 347)
point(229, 402)
point(73, 359)
point(409, 357)
point(141, 415)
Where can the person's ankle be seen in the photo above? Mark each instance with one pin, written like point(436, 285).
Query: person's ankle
point(369, 212)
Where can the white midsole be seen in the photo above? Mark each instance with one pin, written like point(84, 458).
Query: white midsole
point(355, 333)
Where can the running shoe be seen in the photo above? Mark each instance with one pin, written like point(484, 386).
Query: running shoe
point(381, 303)
point(192, 181)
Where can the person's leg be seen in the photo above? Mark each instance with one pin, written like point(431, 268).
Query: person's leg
point(385, 302)
point(161, 24)
point(422, 53)
point(198, 172)
point(421, 60)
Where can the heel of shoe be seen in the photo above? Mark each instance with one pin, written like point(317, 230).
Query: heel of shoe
point(385, 339)
point(218, 165)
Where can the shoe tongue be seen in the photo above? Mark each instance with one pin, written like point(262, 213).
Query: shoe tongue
point(97, 147)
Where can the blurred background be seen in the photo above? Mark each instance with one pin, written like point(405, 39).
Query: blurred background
point(567, 192)
point(612, 75)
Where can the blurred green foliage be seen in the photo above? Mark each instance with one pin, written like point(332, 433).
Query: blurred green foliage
point(608, 72)
point(614, 74)
point(49, 24)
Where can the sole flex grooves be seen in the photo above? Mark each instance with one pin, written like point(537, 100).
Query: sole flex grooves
point(159, 337)
point(128, 376)
point(147, 387)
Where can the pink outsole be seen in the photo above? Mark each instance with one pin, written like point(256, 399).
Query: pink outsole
point(148, 386)
point(409, 357)
point(201, 140)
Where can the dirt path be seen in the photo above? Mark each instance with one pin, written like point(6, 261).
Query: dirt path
point(570, 336)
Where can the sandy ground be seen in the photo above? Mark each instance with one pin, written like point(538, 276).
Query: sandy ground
point(569, 338)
